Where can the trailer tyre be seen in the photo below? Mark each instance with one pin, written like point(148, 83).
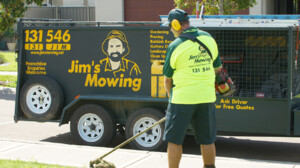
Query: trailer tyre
point(139, 121)
point(93, 125)
point(41, 98)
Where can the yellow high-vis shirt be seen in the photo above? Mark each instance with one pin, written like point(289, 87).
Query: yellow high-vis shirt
point(192, 69)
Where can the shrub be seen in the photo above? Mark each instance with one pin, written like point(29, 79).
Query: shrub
point(2, 59)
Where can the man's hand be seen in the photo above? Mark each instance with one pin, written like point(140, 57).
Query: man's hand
point(217, 70)
point(168, 85)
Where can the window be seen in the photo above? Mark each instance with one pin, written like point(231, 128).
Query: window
point(287, 7)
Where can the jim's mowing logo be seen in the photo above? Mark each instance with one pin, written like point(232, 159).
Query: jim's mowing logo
point(114, 70)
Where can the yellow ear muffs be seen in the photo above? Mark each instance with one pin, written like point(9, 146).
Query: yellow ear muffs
point(176, 25)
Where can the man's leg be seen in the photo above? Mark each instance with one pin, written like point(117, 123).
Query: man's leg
point(174, 155)
point(208, 154)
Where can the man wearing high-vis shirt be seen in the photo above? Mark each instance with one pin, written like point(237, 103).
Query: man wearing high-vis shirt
point(191, 63)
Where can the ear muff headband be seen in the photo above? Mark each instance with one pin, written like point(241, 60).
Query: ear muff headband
point(176, 25)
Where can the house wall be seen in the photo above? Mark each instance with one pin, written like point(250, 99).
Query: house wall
point(263, 7)
point(109, 10)
point(57, 2)
point(136, 10)
point(146, 10)
point(79, 2)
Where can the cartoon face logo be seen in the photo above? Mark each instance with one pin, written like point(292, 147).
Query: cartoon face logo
point(115, 42)
point(116, 48)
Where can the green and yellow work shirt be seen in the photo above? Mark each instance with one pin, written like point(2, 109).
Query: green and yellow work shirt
point(192, 69)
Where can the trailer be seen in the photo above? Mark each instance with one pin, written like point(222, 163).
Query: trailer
point(104, 77)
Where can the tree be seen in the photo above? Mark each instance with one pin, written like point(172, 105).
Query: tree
point(10, 10)
point(222, 7)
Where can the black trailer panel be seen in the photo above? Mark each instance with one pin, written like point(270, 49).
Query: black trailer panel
point(80, 63)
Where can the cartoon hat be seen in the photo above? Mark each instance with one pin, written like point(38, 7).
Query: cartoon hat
point(118, 35)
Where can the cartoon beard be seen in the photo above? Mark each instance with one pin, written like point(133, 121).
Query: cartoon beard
point(115, 56)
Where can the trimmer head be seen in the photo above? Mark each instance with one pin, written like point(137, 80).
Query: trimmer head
point(100, 163)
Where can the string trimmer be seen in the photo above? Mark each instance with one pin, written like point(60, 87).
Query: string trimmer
point(100, 163)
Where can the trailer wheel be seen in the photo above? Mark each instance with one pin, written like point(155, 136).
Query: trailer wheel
point(41, 98)
point(92, 125)
point(139, 121)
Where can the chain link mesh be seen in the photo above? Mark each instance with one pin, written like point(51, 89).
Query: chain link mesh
point(257, 61)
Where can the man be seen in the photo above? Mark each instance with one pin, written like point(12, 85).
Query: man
point(189, 72)
point(116, 47)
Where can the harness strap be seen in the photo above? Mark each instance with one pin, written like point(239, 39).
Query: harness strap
point(194, 39)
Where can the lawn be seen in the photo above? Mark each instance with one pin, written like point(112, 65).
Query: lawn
point(11, 66)
point(8, 81)
point(18, 164)
point(10, 57)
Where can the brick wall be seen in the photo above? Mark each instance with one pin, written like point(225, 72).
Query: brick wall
point(149, 10)
point(146, 10)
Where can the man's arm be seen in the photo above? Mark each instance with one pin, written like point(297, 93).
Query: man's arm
point(168, 85)
point(217, 64)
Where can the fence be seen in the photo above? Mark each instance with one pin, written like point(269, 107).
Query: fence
point(74, 13)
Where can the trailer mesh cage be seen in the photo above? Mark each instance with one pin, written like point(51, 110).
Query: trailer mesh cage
point(260, 61)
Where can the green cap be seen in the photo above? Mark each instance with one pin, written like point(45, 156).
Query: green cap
point(178, 14)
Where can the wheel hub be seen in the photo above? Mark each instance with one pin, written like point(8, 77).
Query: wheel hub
point(149, 132)
point(149, 138)
point(92, 127)
point(38, 99)
point(41, 99)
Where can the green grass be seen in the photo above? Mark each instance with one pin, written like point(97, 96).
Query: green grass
point(12, 81)
point(22, 164)
point(11, 59)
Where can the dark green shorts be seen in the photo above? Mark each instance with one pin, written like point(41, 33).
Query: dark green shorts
point(202, 117)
